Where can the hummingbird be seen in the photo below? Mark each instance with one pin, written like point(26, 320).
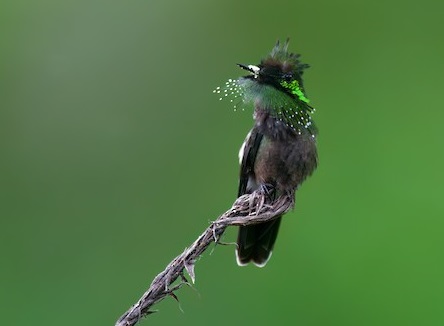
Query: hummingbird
point(279, 152)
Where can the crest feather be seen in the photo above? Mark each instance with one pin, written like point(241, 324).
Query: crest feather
point(280, 55)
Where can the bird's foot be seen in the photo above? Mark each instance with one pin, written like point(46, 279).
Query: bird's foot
point(268, 189)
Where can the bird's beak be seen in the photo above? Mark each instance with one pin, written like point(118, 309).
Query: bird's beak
point(254, 70)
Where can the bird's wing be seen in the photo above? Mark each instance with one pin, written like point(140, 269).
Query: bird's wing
point(247, 157)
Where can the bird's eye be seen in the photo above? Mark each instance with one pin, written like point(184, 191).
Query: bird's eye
point(287, 77)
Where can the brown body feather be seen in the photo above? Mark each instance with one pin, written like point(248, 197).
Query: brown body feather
point(275, 156)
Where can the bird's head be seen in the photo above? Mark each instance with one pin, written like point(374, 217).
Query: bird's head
point(274, 85)
point(281, 70)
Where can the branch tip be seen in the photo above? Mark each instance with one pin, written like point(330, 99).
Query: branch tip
point(249, 209)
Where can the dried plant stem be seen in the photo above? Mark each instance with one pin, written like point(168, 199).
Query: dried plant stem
point(247, 210)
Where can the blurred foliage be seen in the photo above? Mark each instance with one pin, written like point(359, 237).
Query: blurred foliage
point(115, 155)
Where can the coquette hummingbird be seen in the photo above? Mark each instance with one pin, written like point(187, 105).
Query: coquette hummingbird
point(279, 152)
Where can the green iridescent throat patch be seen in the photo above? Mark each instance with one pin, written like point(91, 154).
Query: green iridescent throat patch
point(295, 89)
point(295, 112)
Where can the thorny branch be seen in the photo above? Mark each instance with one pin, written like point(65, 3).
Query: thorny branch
point(248, 209)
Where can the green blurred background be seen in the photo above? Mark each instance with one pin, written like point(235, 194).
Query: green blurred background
point(115, 155)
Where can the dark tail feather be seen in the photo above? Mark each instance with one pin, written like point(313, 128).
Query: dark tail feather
point(255, 242)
